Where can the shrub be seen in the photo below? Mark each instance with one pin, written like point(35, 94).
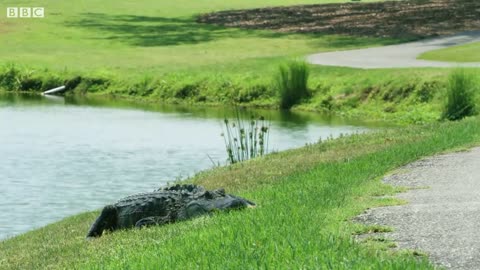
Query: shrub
point(9, 78)
point(187, 91)
point(251, 93)
point(144, 87)
point(83, 85)
point(26, 80)
point(73, 82)
point(426, 91)
point(398, 93)
point(460, 95)
point(291, 82)
point(28, 83)
point(327, 103)
point(51, 81)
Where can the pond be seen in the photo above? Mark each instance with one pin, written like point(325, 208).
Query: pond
point(62, 156)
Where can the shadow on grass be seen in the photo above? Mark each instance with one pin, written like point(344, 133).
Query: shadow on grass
point(156, 31)
point(145, 31)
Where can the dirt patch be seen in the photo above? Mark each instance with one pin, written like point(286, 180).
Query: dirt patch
point(398, 19)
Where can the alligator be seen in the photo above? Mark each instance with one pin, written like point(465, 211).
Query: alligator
point(162, 206)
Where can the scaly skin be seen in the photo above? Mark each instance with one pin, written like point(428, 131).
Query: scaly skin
point(164, 206)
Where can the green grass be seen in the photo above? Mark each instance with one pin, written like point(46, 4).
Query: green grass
point(150, 36)
point(292, 83)
point(462, 53)
point(462, 95)
point(306, 199)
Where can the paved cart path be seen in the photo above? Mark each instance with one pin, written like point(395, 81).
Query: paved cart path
point(442, 220)
point(396, 56)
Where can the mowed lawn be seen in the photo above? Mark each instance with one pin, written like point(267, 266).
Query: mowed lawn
point(152, 36)
point(463, 53)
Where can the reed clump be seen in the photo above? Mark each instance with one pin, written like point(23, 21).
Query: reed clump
point(461, 90)
point(291, 81)
point(245, 139)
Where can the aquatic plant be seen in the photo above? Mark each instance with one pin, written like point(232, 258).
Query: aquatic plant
point(245, 139)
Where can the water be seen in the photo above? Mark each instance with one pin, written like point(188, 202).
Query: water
point(61, 157)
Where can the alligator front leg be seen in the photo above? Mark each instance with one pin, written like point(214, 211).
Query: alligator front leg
point(153, 220)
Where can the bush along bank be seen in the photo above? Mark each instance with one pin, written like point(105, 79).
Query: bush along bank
point(171, 88)
point(462, 94)
point(401, 96)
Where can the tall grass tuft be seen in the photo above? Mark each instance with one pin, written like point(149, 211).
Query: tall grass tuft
point(291, 82)
point(245, 139)
point(9, 77)
point(461, 89)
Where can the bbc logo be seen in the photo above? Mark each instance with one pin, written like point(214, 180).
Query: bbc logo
point(25, 12)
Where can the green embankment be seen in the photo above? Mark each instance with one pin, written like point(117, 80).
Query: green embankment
point(401, 95)
point(306, 199)
point(463, 53)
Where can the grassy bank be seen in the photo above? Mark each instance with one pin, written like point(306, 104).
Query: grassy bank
point(400, 95)
point(306, 199)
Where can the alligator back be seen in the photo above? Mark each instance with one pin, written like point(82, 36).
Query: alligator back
point(162, 206)
point(168, 202)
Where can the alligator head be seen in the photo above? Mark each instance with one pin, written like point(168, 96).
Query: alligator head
point(214, 200)
point(106, 221)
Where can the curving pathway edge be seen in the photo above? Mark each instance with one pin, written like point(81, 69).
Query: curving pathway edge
point(442, 216)
point(396, 56)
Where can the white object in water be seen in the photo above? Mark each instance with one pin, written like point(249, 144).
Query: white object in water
point(55, 90)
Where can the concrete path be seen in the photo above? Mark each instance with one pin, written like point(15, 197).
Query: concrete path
point(396, 56)
point(442, 220)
